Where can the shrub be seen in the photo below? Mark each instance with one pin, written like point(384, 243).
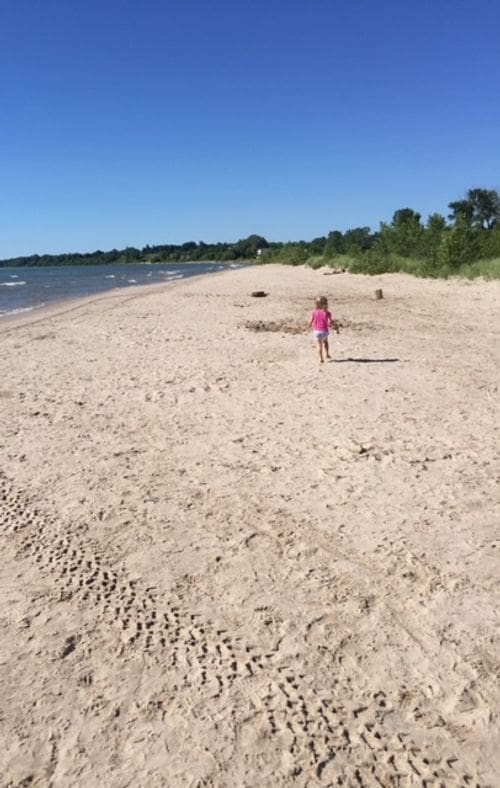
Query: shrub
point(374, 262)
point(316, 262)
point(487, 269)
point(489, 245)
point(458, 246)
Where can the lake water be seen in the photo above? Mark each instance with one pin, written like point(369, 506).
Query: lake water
point(24, 289)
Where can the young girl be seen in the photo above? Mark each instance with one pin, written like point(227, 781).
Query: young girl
point(321, 320)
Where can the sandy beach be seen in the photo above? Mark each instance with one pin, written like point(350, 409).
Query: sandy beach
point(224, 564)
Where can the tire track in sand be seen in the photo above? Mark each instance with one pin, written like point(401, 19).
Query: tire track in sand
point(320, 729)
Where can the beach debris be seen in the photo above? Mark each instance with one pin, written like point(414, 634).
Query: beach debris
point(69, 646)
point(379, 294)
point(334, 271)
point(258, 294)
point(283, 326)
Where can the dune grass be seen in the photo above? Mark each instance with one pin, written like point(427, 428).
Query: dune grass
point(373, 265)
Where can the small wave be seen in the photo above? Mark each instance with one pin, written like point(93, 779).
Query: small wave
point(110, 276)
point(132, 281)
point(20, 309)
point(11, 284)
point(174, 276)
point(14, 276)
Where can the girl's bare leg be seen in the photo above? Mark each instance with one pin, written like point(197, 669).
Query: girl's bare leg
point(320, 349)
point(327, 349)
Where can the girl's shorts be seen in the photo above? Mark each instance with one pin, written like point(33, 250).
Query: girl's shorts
point(320, 334)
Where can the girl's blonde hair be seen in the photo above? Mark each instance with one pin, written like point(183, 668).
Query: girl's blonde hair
point(321, 302)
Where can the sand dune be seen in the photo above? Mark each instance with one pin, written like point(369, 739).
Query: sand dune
point(225, 564)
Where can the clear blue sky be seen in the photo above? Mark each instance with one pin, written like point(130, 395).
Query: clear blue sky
point(127, 122)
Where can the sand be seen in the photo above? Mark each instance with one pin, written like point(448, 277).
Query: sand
point(224, 564)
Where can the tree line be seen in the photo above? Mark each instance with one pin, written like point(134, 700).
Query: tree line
point(465, 241)
point(191, 251)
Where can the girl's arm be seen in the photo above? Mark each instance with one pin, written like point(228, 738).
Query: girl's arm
point(334, 324)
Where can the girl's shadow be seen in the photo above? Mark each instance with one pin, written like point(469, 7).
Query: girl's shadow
point(364, 360)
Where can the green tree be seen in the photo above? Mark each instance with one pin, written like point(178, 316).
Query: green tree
point(432, 237)
point(458, 246)
point(334, 244)
point(317, 245)
point(131, 254)
point(406, 232)
point(293, 253)
point(489, 242)
point(357, 240)
point(480, 209)
point(461, 211)
point(247, 247)
point(486, 203)
point(403, 236)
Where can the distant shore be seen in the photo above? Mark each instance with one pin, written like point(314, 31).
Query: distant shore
point(226, 564)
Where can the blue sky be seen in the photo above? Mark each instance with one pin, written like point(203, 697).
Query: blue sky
point(162, 121)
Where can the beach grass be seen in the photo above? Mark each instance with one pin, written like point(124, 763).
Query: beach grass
point(392, 263)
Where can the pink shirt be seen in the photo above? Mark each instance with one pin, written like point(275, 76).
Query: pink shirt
point(320, 320)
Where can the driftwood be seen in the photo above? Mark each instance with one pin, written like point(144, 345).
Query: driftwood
point(379, 294)
point(258, 294)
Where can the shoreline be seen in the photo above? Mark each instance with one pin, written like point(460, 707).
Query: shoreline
point(214, 545)
point(64, 305)
point(62, 301)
